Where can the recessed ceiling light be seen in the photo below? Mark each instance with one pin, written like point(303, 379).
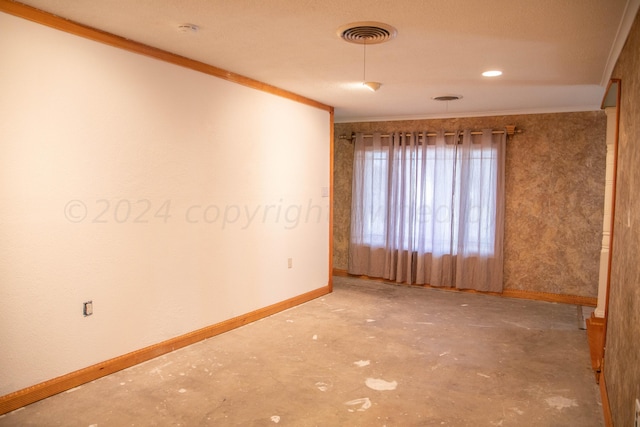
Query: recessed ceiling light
point(492, 73)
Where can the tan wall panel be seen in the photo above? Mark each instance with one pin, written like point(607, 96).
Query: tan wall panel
point(555, 177)
point(622, 354)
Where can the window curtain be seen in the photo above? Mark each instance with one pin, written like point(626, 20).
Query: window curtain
point(429, 209)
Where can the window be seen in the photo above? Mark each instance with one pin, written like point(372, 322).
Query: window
point(431, 188)
point(413, 199)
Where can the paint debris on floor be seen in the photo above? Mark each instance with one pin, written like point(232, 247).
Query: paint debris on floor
point(369, 354)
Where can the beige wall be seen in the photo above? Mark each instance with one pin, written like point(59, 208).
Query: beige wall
point(622, 355)
point(555, 177)
point(169, 197)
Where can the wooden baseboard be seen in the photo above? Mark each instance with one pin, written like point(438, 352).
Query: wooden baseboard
point(595, 337)
point(511, 293)
point(545, 296)
point(57, 385)
point(606, 408)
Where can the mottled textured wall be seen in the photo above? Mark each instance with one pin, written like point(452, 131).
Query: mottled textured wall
point(622, 355)
point(555, 176)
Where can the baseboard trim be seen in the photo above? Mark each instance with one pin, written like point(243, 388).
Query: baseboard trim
point(510, 293)
point(26, 396)
point(595, 338)
point(604, 396)
point(545, 296)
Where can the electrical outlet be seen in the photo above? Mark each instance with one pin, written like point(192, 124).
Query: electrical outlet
point(290, 262)
point(637, 417)
point(87, 308)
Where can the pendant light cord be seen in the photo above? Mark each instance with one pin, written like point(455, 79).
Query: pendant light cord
point(364, 60)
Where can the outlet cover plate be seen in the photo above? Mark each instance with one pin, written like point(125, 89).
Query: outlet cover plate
point(87, 308)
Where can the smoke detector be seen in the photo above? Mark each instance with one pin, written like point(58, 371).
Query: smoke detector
point(188, 28)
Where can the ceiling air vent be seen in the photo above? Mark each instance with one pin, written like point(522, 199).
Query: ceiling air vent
point(367, 32)
point(447, 97)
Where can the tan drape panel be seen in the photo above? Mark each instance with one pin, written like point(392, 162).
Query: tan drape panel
point(429, 213)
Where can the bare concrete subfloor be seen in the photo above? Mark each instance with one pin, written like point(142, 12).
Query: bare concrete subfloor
point(369, 354)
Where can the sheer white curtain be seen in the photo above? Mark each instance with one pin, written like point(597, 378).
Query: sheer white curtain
point(429, 210)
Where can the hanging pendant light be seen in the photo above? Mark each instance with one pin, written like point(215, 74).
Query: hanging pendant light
point(372, 86)
point(367, 33)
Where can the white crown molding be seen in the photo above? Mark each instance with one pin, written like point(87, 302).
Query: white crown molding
point(626, 22)
point(572, 109)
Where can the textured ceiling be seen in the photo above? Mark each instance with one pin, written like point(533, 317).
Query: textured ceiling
point(556, 55)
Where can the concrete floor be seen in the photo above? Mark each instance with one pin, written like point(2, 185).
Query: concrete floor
point(370, 354)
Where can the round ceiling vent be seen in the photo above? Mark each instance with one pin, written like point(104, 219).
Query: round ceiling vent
point(447, 97)
point(367, 32)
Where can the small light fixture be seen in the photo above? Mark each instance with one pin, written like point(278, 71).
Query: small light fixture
point(492, 73)
point(367, 32)
point(372, 86)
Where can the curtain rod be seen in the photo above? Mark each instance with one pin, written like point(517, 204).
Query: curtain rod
point(510, 130)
